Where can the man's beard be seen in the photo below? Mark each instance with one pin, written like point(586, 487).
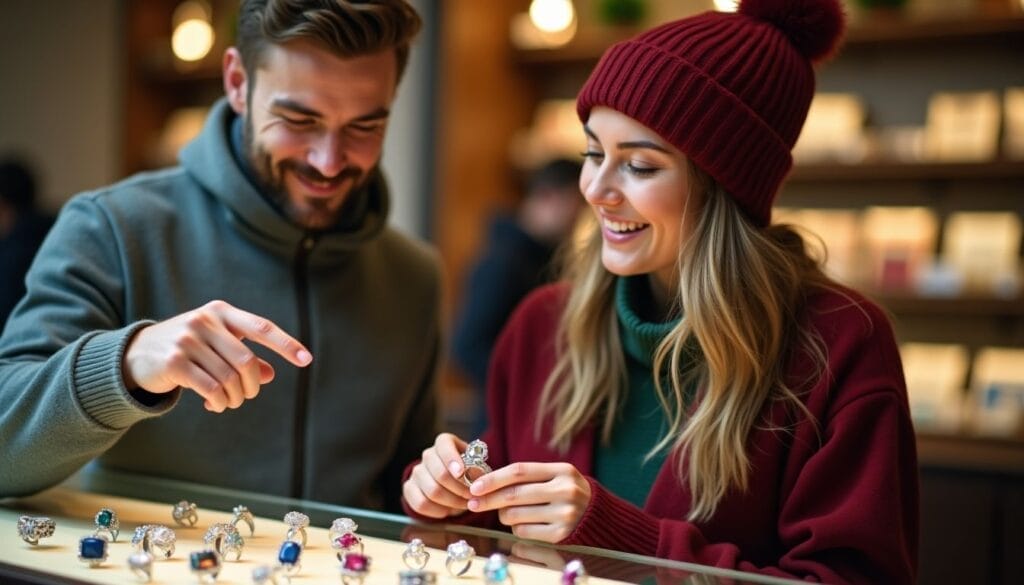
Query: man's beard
point(317, 214)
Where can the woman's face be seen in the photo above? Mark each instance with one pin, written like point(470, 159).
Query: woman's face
point(638, 186)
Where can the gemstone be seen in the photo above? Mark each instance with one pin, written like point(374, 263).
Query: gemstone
point(477, 450)
point(203, 560)
point(92, 547)
point(496, 568)
point(289, 553)
point(356, 563)
point(573, 572)
point(347, 540)
point(105, 517)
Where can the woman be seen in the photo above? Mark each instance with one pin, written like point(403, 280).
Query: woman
point(698, 389)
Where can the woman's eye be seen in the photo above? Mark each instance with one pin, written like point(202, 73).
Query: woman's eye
point(641, 169)
point(592, 154)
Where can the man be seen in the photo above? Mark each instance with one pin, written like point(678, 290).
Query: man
point(172, 320)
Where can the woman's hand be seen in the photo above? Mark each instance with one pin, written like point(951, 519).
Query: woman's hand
point(540, 501)
point(435, 489)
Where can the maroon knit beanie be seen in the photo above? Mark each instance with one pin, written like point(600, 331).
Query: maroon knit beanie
point(730, 90)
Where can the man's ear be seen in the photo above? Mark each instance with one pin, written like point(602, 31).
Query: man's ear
point(236, 82)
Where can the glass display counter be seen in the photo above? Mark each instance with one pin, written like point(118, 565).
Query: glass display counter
point(75, 507)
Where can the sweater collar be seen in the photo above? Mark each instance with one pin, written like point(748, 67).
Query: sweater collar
point(640, 338)
point(211, 160)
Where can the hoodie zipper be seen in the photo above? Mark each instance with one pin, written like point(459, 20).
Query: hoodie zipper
point(301, 276)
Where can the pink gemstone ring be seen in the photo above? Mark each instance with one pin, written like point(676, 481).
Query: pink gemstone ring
point(354, 567)
point(574, 574)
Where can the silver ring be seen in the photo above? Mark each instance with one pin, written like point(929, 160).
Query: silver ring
point(268, 575)
point(205, 564)
point(496, 570)
point(354, 567)
point(154, 537)
point(415, 555)
point(32, 528)
point(475, 461)
point(574, 573)
point(185, 514)
point(140, 563)
point(288, 556)
point(297, 523)
point(417, 577)
point(107, 524)
point(459, 558)
point(225, 539)
point(341, 526)
point(92, 550)
point(242, 514)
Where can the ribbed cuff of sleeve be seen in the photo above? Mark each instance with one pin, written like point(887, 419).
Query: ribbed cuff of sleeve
point(613, 523)
point(99, 383)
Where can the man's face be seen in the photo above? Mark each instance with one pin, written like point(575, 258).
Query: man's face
point(314, 126)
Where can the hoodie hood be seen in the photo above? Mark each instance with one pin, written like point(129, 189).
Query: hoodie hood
point(210, 161)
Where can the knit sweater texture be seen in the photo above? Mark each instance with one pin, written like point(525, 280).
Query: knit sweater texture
point(365, 301)
point(832, 500)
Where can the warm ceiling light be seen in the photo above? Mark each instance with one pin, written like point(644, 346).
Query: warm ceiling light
point(192, 38)
point(725, 5)
point(552, 16)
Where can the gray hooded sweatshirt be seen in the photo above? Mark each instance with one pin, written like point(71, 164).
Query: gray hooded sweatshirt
point(365, 302)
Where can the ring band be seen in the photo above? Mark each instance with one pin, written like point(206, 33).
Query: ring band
point(33, 528)
point(242, 514)
point(185, 514)
point(475, 461)
point(107, 524)
point(459, 558)
point(225, 539)
point(140, 563)
point(415, 556)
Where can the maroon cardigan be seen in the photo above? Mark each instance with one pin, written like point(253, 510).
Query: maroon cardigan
point(836, 502)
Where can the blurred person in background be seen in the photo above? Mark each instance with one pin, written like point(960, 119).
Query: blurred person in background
point(517, 258)
point(22, 229)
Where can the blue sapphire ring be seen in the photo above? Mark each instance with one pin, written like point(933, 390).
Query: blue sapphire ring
point(415, 555)
point(460, 557)
point(33, 528)
point(225, 539)
point(288, 556)
point(475, 461)
point(92, 550)
point(107, 524)
point(242, 514)
point(185, 514)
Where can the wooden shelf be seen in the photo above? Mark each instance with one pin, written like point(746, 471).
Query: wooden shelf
point(972, 305)
point(1000, 169)
point(590, 43)
point(962, 451)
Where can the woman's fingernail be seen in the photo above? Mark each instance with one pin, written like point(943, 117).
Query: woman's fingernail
point(455, 469)
point(473, 504)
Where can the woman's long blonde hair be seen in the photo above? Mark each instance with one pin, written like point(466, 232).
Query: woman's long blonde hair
point(741, 290)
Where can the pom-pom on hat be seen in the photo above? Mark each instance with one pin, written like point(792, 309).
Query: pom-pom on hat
point(730, 90)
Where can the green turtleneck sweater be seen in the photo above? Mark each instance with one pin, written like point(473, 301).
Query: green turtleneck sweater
point(641, 421)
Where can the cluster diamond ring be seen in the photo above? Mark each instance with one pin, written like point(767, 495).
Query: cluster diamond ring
point(268, 575)
point(417, 577)
point(185, 514)
point(242, 514)
point(297, 523)
point(107, 524)
point(475, 461)
point(225, 539)
point(460, 557)
point(140, 563)
point(33, 528)
point(154, 537)
point(415, 555)
point(205, 564)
